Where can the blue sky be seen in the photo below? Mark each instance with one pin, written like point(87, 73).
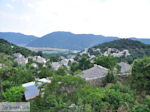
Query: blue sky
point(123, 18)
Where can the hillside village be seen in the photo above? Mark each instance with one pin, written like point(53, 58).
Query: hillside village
point(95, 75)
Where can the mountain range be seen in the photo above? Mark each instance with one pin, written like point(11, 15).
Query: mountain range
point(67, 40)
point(17, 38)
point(62, 40)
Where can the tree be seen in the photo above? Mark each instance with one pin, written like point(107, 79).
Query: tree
point(106, 61)
point(74, 67)
point(39, 53)
point(45, 72)
point(19, 75)
point(65, 84)
point(3, 75)
point(84, 63)
point(62, 71)
point(110, 78)
point(140, 79)
point(54, 58)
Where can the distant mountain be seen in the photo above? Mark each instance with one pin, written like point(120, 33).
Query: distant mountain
point(67, 40)
point(17, 38)
point(144, 40)
point(62, 40)
point(10, 49)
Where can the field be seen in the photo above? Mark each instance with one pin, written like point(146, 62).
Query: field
point(50, 51)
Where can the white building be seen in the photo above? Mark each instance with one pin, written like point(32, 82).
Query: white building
point(31, 88)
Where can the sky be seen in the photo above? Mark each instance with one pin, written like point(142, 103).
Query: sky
point(122, 18)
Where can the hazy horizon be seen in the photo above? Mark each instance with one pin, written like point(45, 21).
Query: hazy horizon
point(75, 33)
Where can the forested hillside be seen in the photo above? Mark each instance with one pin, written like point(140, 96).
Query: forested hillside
point(10, 49)
point(123, 44)
point(125, 49)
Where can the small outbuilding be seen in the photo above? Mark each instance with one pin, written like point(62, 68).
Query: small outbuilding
point(31, 88)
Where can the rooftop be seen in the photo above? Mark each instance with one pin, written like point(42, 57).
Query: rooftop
point(124, 67)
point(32, 88)
point(94, 73)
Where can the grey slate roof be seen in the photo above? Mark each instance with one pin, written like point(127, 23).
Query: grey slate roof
point(94, 73)
point(31, 88)
point(124, 67)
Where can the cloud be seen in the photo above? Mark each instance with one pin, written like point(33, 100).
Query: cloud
point(13, 0)
point(124, 18)
point(30, 5)
point(10, 6)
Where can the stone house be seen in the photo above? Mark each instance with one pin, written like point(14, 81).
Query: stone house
point(20, 59)
point(94, 75)
point(125, 67)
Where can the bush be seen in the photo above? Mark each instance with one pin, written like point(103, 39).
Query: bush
point(116, 98)
point(140, 108)
point(13, 94)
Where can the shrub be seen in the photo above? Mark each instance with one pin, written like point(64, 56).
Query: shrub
point(13, 94)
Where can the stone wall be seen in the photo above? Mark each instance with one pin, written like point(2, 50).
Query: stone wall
point(98, 81)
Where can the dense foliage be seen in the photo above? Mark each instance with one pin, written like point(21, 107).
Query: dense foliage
point(106, 61)
point(14, 94)
point(83, 64)
point(69, 93)
point(123, 44)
